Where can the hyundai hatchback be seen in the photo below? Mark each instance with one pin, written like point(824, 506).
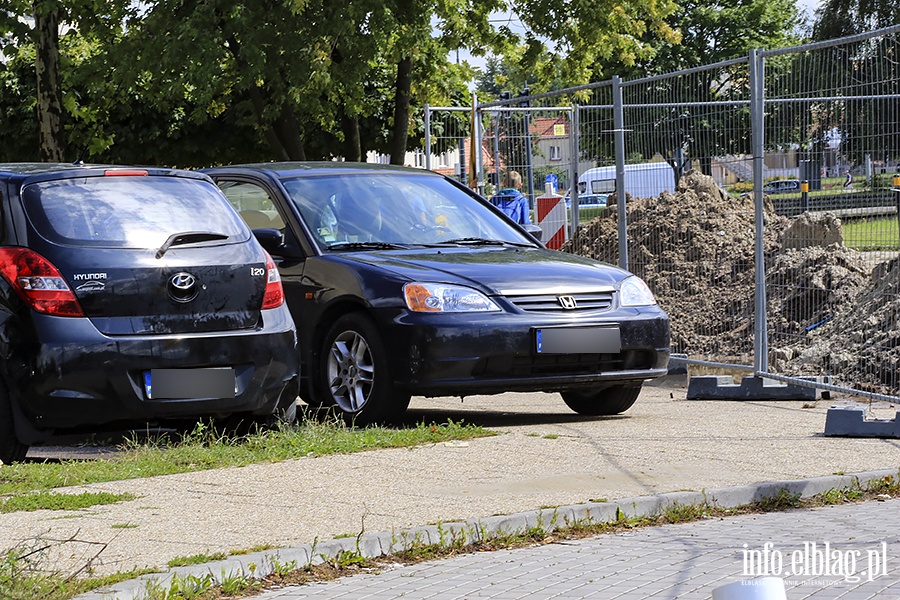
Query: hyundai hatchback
point(130, 296)
point(403, 282)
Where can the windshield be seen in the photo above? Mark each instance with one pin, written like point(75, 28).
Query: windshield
point(402, 209)
point(128, 212)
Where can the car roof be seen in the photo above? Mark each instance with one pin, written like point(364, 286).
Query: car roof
point(286, 169)
point(37, 170)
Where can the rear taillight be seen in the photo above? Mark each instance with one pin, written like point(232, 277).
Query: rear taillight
point(38, 282)
point(274, 296)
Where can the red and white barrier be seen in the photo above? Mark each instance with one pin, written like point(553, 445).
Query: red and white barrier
point(551, 217)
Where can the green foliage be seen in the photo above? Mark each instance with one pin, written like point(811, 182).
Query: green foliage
point(23, 576)
point(281, 569)
point(238, 584)
point(196, 559)
point(194, 84)
point(780, 501)
point(45, 500)
point(838, 18)
point(188, 587)
point(345, 558)
point(741, 187)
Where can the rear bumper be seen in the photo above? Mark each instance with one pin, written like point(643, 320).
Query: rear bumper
point(77, 377)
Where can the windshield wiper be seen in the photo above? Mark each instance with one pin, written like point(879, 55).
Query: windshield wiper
point(366, 246)
point(475, 241)
point(189, 237)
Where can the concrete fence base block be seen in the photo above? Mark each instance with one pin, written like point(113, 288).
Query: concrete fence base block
point(723, 387)
point(850, 421)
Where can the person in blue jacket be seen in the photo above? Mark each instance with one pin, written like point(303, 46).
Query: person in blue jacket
point(511, 200)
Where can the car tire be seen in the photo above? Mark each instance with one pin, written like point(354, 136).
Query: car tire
point(607, 401)
point(354, 375)
point(11, 449)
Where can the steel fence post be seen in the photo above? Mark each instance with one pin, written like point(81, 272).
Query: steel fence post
point(477, 149)
point(619, 126)
point(575, 119)
point(428, 137)
point(757, 124)
point(897, 198)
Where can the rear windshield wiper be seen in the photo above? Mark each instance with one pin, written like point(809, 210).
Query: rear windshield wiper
point(189, 237)
point(366, 246)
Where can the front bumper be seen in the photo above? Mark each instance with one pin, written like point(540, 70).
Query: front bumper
point(465, 354)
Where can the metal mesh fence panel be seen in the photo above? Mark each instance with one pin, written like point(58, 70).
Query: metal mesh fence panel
point(448, 147)
point(683, 151)
point(528, 145)
point(686, 138)
point(833, 125)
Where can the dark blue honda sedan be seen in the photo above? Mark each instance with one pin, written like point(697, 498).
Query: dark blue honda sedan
point(403, 282)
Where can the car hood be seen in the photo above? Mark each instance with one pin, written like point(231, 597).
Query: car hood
point(505, 270)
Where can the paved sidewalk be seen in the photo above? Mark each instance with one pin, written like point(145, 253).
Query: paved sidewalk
point(544, 455)
point(671, 561)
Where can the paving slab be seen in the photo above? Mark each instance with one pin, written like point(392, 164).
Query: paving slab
point(687, 561)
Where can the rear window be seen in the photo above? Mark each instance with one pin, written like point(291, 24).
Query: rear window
point(128, 212)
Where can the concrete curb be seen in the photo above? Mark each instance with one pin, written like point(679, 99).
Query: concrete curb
point(376, 544)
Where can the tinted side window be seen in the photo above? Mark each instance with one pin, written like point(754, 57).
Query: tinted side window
point(127, 212)
point(253, 203)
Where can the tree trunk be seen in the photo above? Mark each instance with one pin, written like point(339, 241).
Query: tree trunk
point(288, 131)
point(352, 145)
point(400, 130)
point(49, 94)
point(283, 135)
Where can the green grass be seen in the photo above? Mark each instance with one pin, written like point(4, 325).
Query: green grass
point(196, 559)
point(587, 214)
point(204, 448)
point(879, 233)
point(45, 500)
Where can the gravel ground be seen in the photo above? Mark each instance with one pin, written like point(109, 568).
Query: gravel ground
point(545, 456)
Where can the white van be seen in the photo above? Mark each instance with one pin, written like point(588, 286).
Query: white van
point(642, 180)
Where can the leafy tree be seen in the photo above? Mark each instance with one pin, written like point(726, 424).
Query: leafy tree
point(866, 126)
point(37, 24)
point(710, 33)
point(839, 18)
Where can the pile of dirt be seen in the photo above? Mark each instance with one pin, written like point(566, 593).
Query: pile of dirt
point(696, 250)
point(861, 342)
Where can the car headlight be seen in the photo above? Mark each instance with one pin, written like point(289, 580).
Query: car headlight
point(634, 292)
point(442, 297)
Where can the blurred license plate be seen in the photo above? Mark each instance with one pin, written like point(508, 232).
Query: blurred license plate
point(578, 340)
point(189, 383)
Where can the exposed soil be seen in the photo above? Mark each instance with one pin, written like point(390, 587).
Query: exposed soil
point(696, 249)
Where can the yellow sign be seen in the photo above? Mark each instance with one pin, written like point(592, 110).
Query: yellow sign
point(559, 129)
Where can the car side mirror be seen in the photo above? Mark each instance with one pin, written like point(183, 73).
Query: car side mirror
point(535, 230)
point(270, 239)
